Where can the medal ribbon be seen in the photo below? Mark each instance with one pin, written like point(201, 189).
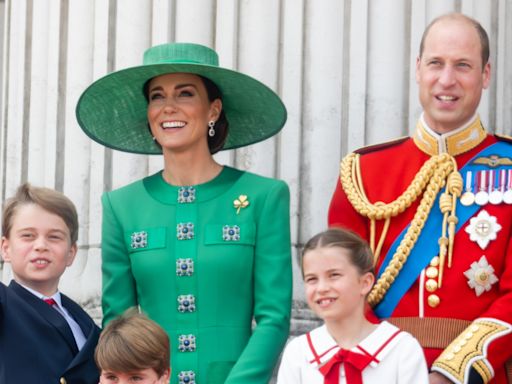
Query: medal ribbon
point(492, 187)
point(469, 181)
point(501, 180)
point(482, 181)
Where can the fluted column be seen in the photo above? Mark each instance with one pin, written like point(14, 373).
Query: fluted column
point(345, 70)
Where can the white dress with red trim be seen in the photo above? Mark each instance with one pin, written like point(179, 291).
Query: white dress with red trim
point(396, 357)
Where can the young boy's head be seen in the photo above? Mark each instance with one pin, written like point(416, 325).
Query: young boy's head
point(39, 234)
point(133, 347)
point(337, 267)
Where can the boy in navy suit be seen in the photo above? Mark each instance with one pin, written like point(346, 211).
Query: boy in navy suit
point(45, 337)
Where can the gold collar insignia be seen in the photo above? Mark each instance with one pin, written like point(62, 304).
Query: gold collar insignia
point(454, 143)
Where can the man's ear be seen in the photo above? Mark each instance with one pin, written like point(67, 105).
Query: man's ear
point(164, 379)
point(486, 76)
point(71, 254)
point(6, 255)
point(418, 63)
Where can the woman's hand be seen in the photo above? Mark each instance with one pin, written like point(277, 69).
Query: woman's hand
point(437, 378)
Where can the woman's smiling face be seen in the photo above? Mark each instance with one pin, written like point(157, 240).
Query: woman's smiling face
point(179, 111)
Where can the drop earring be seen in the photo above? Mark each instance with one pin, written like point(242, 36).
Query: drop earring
point(211, 131)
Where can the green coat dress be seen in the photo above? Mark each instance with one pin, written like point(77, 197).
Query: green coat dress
point(204, 263)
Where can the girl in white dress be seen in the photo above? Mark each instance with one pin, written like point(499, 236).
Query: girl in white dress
point(337, 268)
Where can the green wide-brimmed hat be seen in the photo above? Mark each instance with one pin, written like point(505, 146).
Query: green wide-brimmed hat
point(113, 110)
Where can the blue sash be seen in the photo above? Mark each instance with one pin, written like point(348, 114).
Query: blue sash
point(427, 246)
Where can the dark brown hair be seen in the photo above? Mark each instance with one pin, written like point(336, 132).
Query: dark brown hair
point(48, 199)
point(482, 34)
point(359, 252)
point(133, 342)
point(216, 143)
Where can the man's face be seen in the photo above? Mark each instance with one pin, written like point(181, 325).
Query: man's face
point(450, 74)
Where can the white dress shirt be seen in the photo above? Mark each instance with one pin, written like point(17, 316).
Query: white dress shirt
point(78, 334)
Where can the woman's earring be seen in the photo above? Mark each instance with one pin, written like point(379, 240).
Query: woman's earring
point(211, 131)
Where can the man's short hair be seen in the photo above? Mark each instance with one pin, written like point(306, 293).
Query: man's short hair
point(49, 199)
point(133, 342)
point(482, 34)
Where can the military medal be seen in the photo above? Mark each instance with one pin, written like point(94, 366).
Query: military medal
point(495, 195)
point(482, 196)
point(481, 276)
point(468, 197)
point(483, 228)
point(507, 195)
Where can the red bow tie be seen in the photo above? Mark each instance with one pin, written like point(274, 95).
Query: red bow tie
point(354, 364)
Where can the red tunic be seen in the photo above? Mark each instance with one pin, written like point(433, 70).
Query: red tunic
point(387, 171)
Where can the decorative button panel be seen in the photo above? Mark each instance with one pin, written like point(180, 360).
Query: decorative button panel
point(184, 267)
point(187, 377)
point(186, 195)
point(186, 303)
point(186, 343)
point(231, 233)
point(139, 239)
point(185, 231)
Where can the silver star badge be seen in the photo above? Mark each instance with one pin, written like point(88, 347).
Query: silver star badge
point(483, 228)
point(481, 276)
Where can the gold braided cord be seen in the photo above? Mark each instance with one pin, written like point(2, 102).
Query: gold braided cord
point(351, 180)
point(447, 205)
point(379, 211)
point(454, 187)
point(355, 183)
point(429, 180)
point(381, 240)
point(356, 175)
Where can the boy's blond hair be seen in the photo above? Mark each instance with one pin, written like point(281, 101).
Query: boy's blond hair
point(133, 342)
point(49, 199)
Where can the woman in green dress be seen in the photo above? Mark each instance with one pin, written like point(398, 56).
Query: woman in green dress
point(202, 248)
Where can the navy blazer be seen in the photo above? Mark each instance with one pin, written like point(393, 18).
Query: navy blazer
point(37, 345)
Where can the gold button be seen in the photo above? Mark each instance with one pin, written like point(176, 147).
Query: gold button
point(431, 285)
point(468, 335)
point(63, 380)
point(435, 261)
point(449, 356)
point(474, 328)
point(433, 300)
point(432, 272)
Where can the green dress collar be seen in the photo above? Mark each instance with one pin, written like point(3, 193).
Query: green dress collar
point(169, 194)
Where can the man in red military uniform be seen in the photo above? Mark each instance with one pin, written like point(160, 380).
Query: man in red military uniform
point(437, 211)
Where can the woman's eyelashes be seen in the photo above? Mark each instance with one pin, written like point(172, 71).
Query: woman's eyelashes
point(155, 96)
point(186, 93)
point(182, 93)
